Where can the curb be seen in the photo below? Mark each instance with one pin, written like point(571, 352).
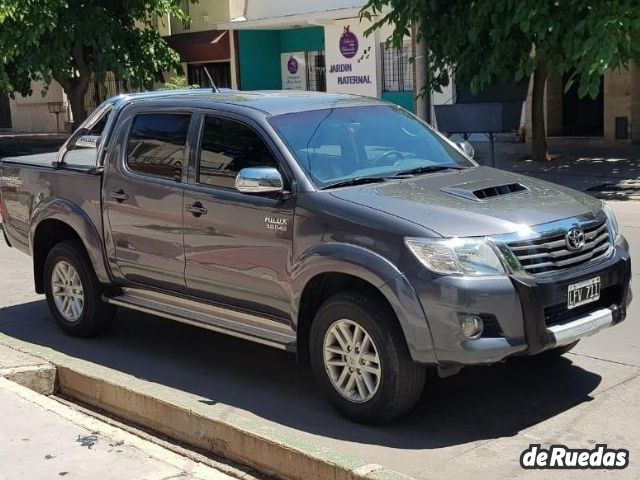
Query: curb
point(217, 429)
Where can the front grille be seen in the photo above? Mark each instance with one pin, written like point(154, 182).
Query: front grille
point(559, 313)
point(551, 253)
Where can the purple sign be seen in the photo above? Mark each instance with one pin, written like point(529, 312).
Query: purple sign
point(292, 66)
point(348, 43)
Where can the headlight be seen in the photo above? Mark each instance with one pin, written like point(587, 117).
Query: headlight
point(612, 223)
point(457, 256)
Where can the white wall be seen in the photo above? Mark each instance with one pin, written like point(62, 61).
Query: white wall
point(259, 9)
point(205, 15)
point(31, 114)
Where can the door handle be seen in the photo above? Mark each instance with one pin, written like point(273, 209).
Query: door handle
point(197, 209)
point(119, 195)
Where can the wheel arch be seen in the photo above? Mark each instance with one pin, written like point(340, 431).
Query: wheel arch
point(331, 268)
point(57, 220)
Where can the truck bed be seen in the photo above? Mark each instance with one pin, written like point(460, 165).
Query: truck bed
point(29, 181)
point(80, 159)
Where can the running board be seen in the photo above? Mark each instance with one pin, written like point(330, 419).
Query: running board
point(222, 320)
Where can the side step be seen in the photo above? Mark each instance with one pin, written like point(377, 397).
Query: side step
point(231, 322)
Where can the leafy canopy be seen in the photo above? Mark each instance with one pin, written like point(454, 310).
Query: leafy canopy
point(487, 41)
point(68, 40)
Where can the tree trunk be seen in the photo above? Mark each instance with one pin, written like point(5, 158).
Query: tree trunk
point(539, 136)
point(76, 94)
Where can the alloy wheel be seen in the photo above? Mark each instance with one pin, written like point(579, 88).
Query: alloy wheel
point(67, 291)
point(351, 360)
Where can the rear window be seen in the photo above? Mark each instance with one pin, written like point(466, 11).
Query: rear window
point(157, 144)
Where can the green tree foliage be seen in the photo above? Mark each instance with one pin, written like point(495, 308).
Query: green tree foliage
point(485, 41)
point(71, 40)
point(177, 82)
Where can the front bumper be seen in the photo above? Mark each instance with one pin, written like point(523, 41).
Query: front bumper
point(523, 314)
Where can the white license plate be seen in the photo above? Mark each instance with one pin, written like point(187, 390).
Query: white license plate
point(584, 292)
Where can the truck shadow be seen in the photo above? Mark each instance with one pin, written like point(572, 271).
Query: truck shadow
point(478, 404)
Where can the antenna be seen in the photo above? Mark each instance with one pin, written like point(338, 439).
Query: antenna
point(213, 85)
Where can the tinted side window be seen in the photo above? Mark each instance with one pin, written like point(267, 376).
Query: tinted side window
point(157, 144)
point(227, 147)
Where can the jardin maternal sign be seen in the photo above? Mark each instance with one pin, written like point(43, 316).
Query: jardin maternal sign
point(348, 46)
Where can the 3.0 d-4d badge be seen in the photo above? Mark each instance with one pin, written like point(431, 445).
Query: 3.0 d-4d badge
point(275, 223)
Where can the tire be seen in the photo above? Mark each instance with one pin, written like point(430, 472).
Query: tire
point(85, 318)
point(399, 383)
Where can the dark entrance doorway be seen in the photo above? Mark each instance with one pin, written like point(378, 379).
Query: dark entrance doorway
point(220, 73)
point(582, 117)
point(5, 111)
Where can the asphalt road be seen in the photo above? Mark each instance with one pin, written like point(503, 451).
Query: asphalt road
point(471, 425)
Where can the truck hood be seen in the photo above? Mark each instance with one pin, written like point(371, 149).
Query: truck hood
point(473, 202)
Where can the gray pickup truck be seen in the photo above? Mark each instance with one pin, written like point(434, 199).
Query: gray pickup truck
point(338, 227)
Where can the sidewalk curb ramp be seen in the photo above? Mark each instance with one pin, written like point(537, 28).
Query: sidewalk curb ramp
point(26, 370)
point(217, 428)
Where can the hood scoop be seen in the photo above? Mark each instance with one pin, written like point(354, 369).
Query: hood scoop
point(484, 190)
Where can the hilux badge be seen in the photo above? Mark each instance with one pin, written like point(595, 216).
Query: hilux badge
point(275, 223)
point(575, 239)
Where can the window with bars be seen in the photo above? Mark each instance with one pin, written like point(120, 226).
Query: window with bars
point(316, 71)
point(397, 74)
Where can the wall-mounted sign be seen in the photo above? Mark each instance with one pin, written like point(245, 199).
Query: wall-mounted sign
point(348, 44)
point(294, 75)
point(351, 59)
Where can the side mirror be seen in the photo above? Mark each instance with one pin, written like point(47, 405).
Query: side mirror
point(466, 148)
point(259, 180)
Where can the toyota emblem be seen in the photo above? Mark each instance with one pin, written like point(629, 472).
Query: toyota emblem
point(575, 239)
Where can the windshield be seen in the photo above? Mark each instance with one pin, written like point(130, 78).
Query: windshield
point(341, 144)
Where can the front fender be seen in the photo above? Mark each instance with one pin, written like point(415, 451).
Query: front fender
point(54, 208)
point(379, 272)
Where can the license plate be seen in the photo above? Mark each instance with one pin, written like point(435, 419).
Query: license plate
point(584, 292)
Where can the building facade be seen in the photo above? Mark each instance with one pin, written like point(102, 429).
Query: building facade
point(32, 113)
point(612, 117)
point(204, 49)
point(322, 46)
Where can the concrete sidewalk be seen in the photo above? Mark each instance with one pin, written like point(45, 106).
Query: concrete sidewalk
point(42, 438)
point(576, 165)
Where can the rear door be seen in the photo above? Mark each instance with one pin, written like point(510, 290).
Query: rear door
point(238, 251)
point(144, 193)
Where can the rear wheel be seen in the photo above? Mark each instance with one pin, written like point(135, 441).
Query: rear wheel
point(73, 292)
point(360, 359)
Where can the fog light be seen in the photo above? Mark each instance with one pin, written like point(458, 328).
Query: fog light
point(472, 326)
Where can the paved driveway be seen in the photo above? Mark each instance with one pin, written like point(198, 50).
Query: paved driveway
point(473, 425)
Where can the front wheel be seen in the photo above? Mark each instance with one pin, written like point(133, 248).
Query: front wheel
point(360, 359)
point(74, 293)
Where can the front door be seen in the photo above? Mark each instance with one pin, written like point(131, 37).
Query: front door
point(144, 194)
point(582, 116)
point(238, 248)
point(5, 111)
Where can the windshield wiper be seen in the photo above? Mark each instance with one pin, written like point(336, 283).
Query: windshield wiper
point(427, 169)
point(354, 181)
